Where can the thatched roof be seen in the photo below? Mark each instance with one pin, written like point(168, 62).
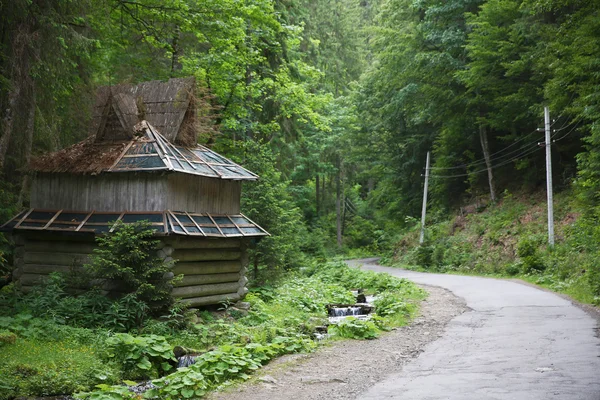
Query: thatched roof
point(146, 150)
point(86, 157)
point(168, 106)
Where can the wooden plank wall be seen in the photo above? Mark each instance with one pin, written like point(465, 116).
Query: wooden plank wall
point(37, 257)
point(136, 192)
point(214, 270)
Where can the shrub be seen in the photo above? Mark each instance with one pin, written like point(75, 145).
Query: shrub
point(354, 328)
point(527, 250)
point(390, 303)
point(127, 257)
point(141, 357)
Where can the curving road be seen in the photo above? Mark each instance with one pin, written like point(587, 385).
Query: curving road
point(517, 342)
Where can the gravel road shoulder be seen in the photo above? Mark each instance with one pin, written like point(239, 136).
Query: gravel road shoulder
point(344, 369)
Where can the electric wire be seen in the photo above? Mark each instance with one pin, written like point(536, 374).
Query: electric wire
point(532, 150)
point(482, 161)
point(568, 133)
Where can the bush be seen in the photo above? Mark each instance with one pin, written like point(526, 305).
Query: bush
point(391, 303)
point(50, 300)
point(127, 257)
point(532, 262)
point(354, 328)
point(141, 357)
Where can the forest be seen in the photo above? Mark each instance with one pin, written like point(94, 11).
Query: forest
point(335, 105)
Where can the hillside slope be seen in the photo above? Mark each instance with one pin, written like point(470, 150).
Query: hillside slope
point(510, 239)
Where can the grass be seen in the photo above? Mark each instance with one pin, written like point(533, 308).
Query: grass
point(45, 368)
point(508, 240)
point(43, 357)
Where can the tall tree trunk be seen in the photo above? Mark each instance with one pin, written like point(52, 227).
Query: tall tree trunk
point(29, 129)
point(317, 187)
point(255, 263)
point(19, 65)
point(9, 117)
point(338, 205)
point(176, 55)
point(488, 162)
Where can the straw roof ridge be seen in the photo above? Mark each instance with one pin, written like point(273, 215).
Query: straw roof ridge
point(163, 104)
point(87, 156)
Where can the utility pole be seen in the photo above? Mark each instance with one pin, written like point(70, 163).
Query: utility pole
point(548, 177)
point(424, 210)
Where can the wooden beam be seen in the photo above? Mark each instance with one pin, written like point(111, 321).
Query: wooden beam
point(193, 280)
point(215, 299)
point(206, 254)
point(206, 268)
point(205, 290)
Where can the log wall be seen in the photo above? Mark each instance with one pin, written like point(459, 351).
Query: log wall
point(136, 192)
point(214, 270)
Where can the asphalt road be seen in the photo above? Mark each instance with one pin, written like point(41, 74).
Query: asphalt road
point(517, 342)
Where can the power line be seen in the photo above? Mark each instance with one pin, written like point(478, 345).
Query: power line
point(482, 160)
point(568, 133)
point(525, 153)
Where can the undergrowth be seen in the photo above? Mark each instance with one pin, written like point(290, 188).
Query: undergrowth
point(509, 239)
point(52, 354)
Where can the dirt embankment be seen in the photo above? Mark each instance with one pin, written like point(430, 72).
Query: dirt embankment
point(345, 369)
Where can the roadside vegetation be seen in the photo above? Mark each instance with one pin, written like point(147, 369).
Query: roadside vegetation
point(509, 239)
point(53, 342)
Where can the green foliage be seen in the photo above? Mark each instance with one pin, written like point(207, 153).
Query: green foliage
point(38, 367)
point(390, 303)
point(141, 357)
point(354, 328)
point(91, 309)
point(527, 250)
point(108, 392)
point(127, 257)
point(7, 337)
point(268, 203)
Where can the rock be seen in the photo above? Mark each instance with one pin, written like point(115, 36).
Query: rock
point(316, 379)
point(267, 379)
point(242, 305)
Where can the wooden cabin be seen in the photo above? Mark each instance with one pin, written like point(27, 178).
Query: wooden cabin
point(140, 162)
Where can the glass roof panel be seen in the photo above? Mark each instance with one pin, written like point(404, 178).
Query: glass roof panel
point(129, 218)
point(193, 229)
point(222, 220)
point(98, 228)
point(102, 218)
point(34, 224)
point(70, 217)
point(141, 148)
point(211, 157)
point(204, 170)
point(184, 219)
point(249, 231)
point(231, 231)
point(211, 231)
point(202, 220)
point(58, 225)
point(240, 220)
point(42, 215)
point(186, 153)
point(139, 163)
